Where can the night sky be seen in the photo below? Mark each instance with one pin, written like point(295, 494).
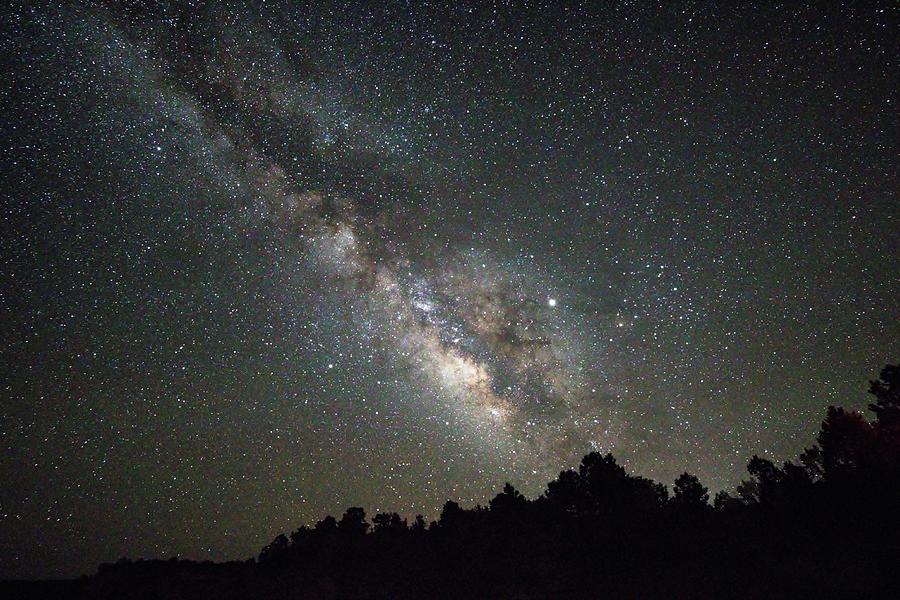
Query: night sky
point(261, 264)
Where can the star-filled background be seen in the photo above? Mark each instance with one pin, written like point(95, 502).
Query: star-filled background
point(263, 263)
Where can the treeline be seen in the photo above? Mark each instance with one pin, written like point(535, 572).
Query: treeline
point(824, 526)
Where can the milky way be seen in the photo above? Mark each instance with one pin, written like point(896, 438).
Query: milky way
point(478, 335)
point(270, 262)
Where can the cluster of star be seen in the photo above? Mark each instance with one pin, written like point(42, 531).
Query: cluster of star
point(268, 262)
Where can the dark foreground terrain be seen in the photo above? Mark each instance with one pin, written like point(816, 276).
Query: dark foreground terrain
point(826, 526)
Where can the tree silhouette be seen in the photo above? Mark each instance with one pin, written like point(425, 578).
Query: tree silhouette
point(388, 523)
point(844, 439)
point(419, 524)
point(451, 515)
point(886, 390)
point(565, 492)
point(811, 459)
point(725, 501)
point(327, 525)
point(609, 490)
point(824, 526)
point(353, 523)
point(689, 493)
point(275, 550)
point(509, 500)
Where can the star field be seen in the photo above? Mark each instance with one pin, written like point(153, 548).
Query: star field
point(263, 263)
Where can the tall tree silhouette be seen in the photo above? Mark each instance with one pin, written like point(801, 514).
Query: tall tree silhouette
point(844, 438)
point(886, 390)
